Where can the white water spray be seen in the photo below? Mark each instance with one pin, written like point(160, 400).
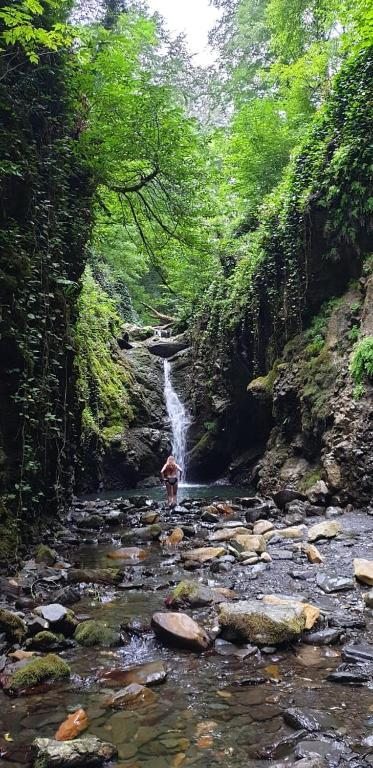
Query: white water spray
point(179, 419)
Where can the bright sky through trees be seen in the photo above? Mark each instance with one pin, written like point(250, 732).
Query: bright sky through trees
point(195, 18)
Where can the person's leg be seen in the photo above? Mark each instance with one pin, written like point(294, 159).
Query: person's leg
point(175, 493)
point(169, 493)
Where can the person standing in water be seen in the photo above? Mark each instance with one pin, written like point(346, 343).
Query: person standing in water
point(171, 473)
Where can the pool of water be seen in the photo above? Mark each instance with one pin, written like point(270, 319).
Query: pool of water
point(186, 492)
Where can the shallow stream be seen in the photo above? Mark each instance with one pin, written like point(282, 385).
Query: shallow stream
point(213, 710)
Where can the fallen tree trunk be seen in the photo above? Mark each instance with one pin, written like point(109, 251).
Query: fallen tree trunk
point(164, 318)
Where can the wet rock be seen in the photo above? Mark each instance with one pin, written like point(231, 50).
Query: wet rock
point(175, 537)
point(250, 543)
point(328, 529)
point(223, 508)
point(132, 696)
point(327, 636)
point(150, 518)
point(37, 624)
point(88, 752)
point(151, 673)
point(285, 496)
point(74, 724)
point(225, 648)
point(47, 641)
point(332, 583)
point(311, 612)
point(363, 570)
point(149, 533)
point(319, 749)
point(348, 677)
point(258, 513)
point(179, 629)
point(60, 619)
point(313, 554)
point(210, 515)
point(301, 719)
point(311, 762)
point(357, 653)
point(109, 576)
point(263, 624)
point(203, 554)
point(318, 493)
point(12, 625)
point(347, 620)
point(128, 553)
point(190, 593)
point(92, 632)
point(40, 670)
point(90, 522)
point(45, 555)
point(249, 502)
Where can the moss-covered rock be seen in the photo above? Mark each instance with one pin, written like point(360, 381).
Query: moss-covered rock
point(190, 592)
point(263, 624)
point(12, 625)
point(38, 671)
point(90, 633)
point(263, 385)
point(43, 641)
point(45, 554)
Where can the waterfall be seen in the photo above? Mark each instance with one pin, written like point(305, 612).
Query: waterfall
point(179, 419)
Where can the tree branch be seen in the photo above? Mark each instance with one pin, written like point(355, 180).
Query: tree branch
point(144, 180)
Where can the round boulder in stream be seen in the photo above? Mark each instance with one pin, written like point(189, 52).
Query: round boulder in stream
point(263, 624)
point(180, 630)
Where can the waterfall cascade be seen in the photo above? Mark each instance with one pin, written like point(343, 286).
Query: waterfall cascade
point(179, 418)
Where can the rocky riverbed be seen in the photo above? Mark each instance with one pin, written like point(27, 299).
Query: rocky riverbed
point(227, 634)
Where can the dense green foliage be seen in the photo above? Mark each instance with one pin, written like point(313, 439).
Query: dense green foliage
point(362, 364)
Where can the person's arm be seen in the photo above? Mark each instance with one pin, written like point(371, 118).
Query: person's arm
point(163, 470)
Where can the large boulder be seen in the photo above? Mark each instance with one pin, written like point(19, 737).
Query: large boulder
point(179, 629)
point(88, 752)
point(311, 612)
point(325, 530)
point(168, 347)
point(263, 624)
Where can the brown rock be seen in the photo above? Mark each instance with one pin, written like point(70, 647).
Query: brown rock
point(262, 526)
point(128, 553)
point(325, 530)
point(293, 532)
point(175, 537)
point(313, 553)
point(225, 534)
point(251, 543)
point(72, 726)
point(311, 612)
point(132, 697)
point(203, 554)
point(363, 570)
point(179, 629)
point(151, 673)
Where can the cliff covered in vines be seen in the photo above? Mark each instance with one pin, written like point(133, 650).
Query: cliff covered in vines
point(313, 238)
point(44, 226)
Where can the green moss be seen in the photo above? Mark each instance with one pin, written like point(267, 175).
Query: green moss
point(45, 555)
point(90, 633)
point(185, 590)
point(13, 627)
point(38, 671)
point(43, 640)
point(265, 384)
point(259, 627)
point(361, 365)
point(309, 479)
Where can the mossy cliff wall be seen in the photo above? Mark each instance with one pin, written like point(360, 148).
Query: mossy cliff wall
point(44, 225)
point(312, 241)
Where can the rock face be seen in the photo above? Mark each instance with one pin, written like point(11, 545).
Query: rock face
point(263, 624)
point(179, 629)
point(88, 752)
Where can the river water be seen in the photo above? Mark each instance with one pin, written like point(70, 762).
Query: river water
point(213, 710)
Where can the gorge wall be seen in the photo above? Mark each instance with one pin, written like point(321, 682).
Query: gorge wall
point(273, 397)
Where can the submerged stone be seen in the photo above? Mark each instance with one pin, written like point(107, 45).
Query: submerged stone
point(132, 696)
point(151, 673)
point(88, 752)
point(109, 576)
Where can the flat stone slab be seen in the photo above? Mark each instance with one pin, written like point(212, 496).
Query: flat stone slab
point(203, 554)
point(151, 673)
point(179, 629)
point(330, 583)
